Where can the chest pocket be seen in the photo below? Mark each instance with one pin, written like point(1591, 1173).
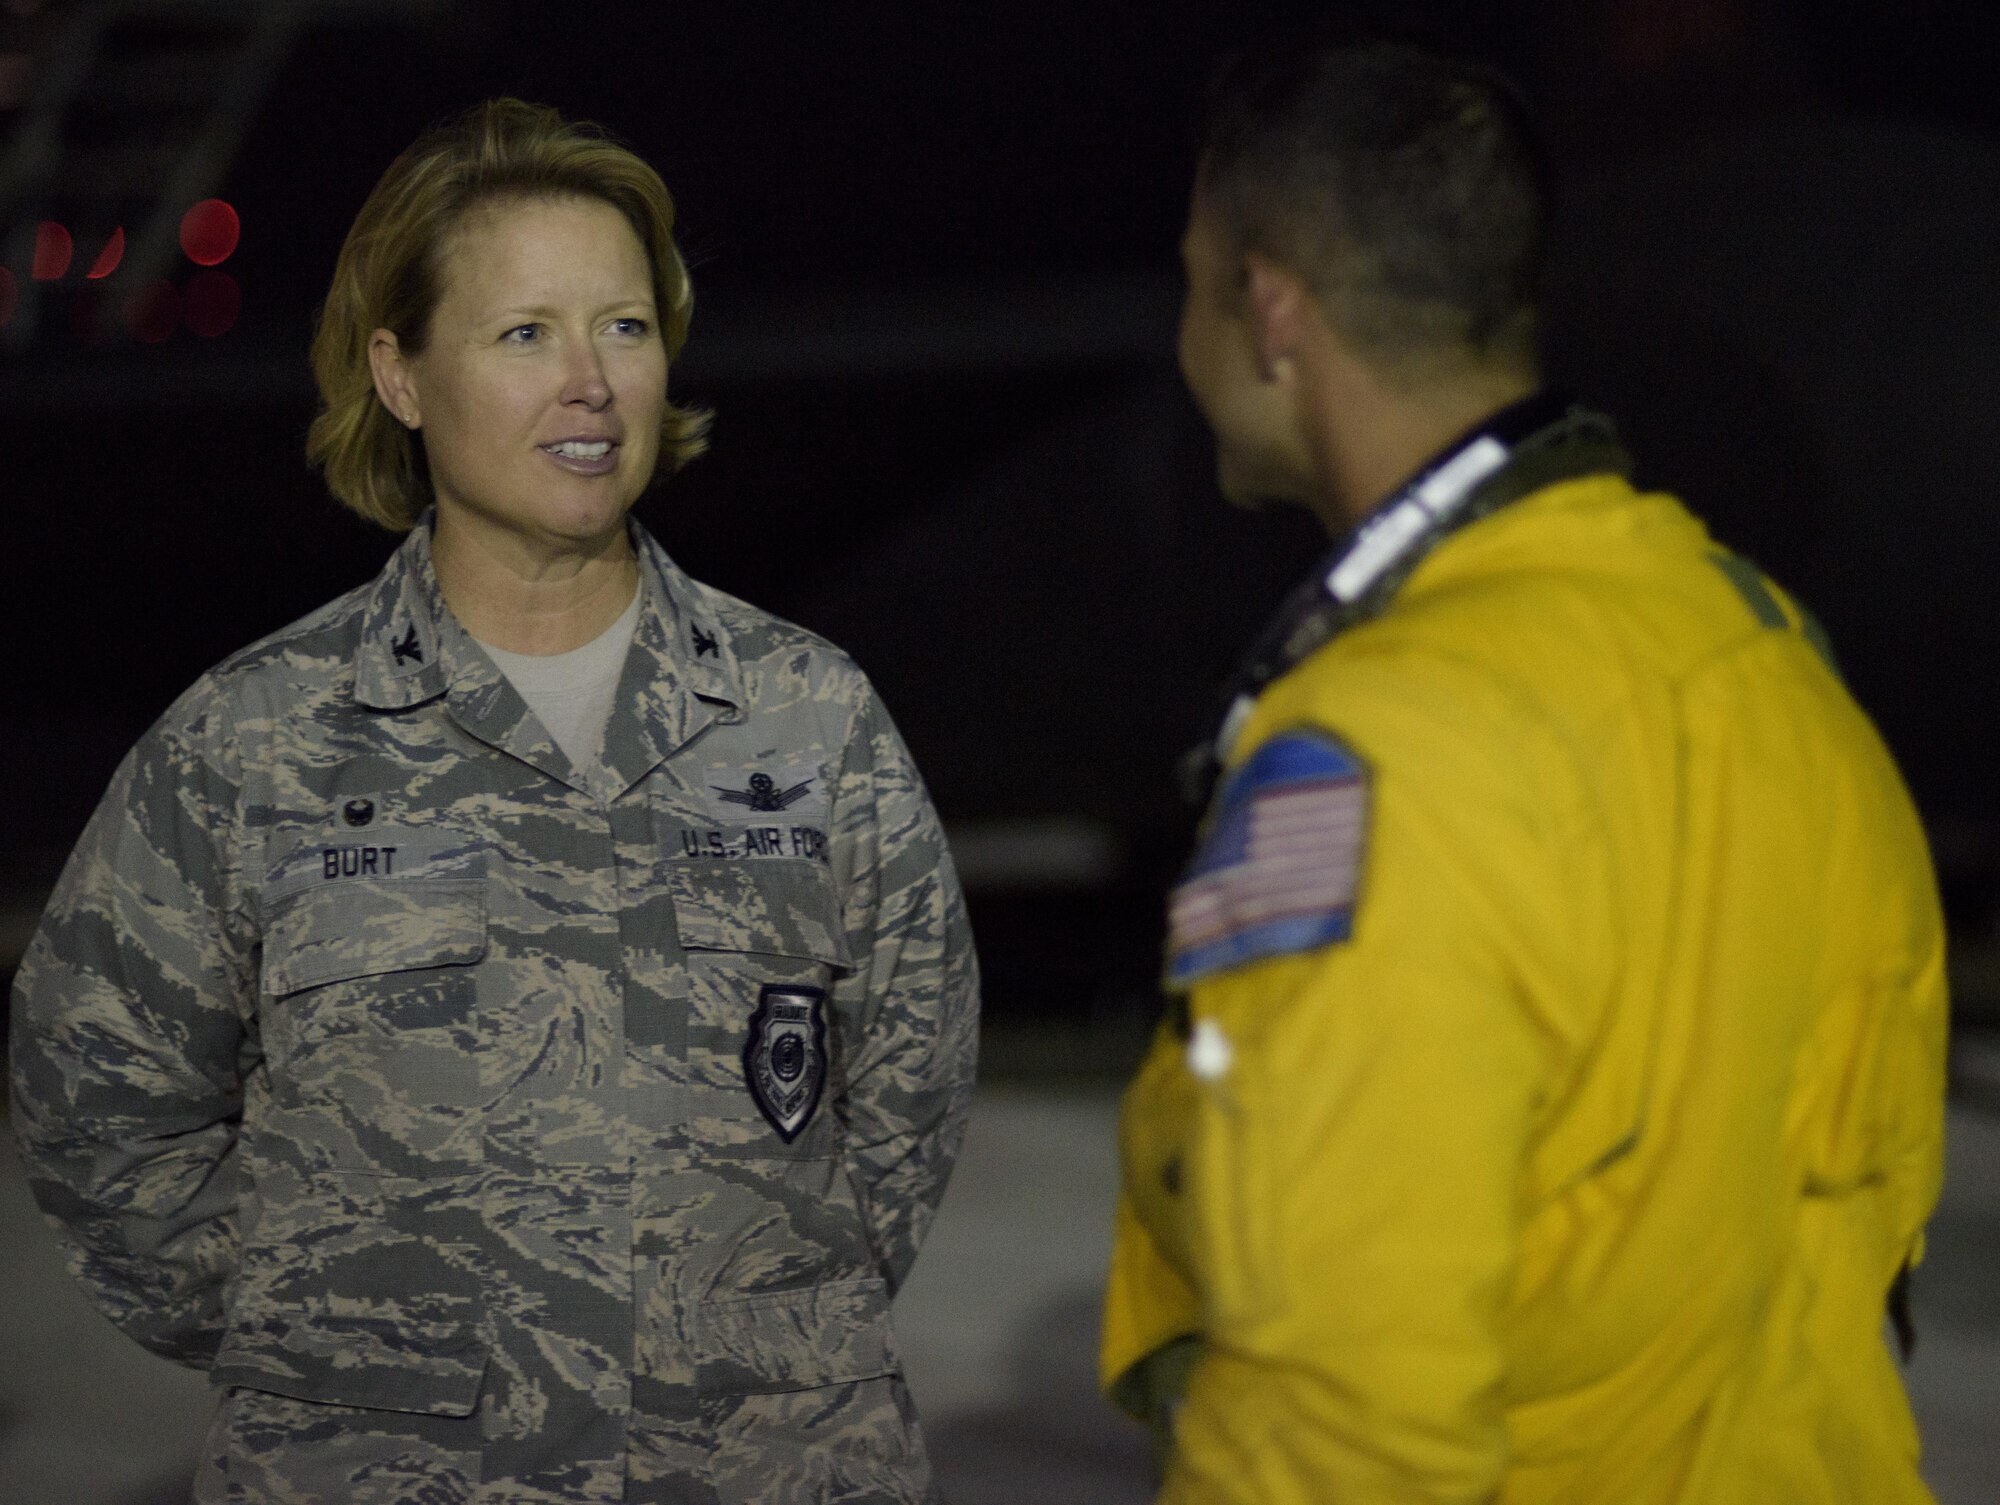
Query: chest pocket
point(370, 1020)
point(770, 907)
point(764, 946)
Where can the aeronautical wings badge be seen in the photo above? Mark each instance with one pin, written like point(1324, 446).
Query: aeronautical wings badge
point(785, 1059)
point(764, 795)
point(794, 792)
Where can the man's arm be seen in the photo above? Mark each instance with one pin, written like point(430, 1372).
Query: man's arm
point(1354, 1175)
point(1364, 1103)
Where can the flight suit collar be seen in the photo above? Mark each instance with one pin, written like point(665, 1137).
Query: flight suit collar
point(1519, 450)
point(680, 675)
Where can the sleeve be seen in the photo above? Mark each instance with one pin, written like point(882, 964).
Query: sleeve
point(1355, 1156)
point(129, 1041)
point(1151, 1316)
point(1149, 1340)
point(914, 993)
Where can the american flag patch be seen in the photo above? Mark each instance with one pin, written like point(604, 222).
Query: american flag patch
point(1280, 865)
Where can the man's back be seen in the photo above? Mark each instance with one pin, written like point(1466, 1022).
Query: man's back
point(1580, 1171)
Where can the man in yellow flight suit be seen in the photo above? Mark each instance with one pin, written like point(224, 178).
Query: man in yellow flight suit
point(1554, 1088)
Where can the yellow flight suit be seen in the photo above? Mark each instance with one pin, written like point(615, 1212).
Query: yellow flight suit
point(1579, 1171)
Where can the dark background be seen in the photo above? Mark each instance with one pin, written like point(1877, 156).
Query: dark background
point(933, 250)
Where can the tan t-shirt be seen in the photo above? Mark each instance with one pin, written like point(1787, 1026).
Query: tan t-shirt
point(571, 693)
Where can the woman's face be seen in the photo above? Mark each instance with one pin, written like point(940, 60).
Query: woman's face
point(544, 381)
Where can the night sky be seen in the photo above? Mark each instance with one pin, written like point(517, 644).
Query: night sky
point(933, 249)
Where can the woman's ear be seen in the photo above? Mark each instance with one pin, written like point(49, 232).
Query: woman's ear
point(393, 383)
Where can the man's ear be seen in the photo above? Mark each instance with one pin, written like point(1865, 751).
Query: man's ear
point(393, 385)
point(1277, 306)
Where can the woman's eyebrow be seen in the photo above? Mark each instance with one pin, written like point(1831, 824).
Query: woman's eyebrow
point(550, 310)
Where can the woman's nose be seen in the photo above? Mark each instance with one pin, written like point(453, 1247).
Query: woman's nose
point(584, 381)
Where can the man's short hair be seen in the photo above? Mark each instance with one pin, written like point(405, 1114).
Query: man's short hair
point(1407, 189)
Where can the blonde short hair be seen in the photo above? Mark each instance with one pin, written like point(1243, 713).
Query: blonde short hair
point(387, 278)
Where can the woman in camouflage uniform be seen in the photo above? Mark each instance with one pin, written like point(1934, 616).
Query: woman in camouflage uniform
point(513, 1026)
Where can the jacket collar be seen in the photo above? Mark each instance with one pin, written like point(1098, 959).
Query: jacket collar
point(1521, 449)
point(680, 675)
point(399, 661)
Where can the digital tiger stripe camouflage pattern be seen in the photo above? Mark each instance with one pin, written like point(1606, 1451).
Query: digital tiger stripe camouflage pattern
point(374, 1058)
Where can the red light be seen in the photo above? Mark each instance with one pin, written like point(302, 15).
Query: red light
point(209, 232)
point(108, 258)
point(152, 312)
point(53, 249)
point(10, 295)
point(213, 300)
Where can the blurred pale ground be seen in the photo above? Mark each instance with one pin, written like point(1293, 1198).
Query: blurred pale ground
point(998, 1326)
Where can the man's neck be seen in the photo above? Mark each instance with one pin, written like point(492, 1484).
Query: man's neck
point(1374, 437)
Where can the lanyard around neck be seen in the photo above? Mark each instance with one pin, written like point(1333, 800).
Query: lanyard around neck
point(1520, 449)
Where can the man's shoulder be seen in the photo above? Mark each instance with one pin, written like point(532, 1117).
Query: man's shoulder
point(1437, 710)
point(1593, 616)
point(1511, 641)
point(1582, 595)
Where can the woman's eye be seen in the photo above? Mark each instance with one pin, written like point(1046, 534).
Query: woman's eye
point(633, 327)
point(523, 334)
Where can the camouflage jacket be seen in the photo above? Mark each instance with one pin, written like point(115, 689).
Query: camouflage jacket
point(494, 1131)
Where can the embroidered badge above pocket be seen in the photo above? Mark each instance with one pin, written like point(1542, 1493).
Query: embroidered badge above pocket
point(760, 810)
point(785, 1060)
point(1279, 865)
point(766, 793)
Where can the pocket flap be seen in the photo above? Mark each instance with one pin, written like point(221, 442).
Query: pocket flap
point(433, 1368)
point(794, 1340)
point(779, 906)
point(348, 930)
